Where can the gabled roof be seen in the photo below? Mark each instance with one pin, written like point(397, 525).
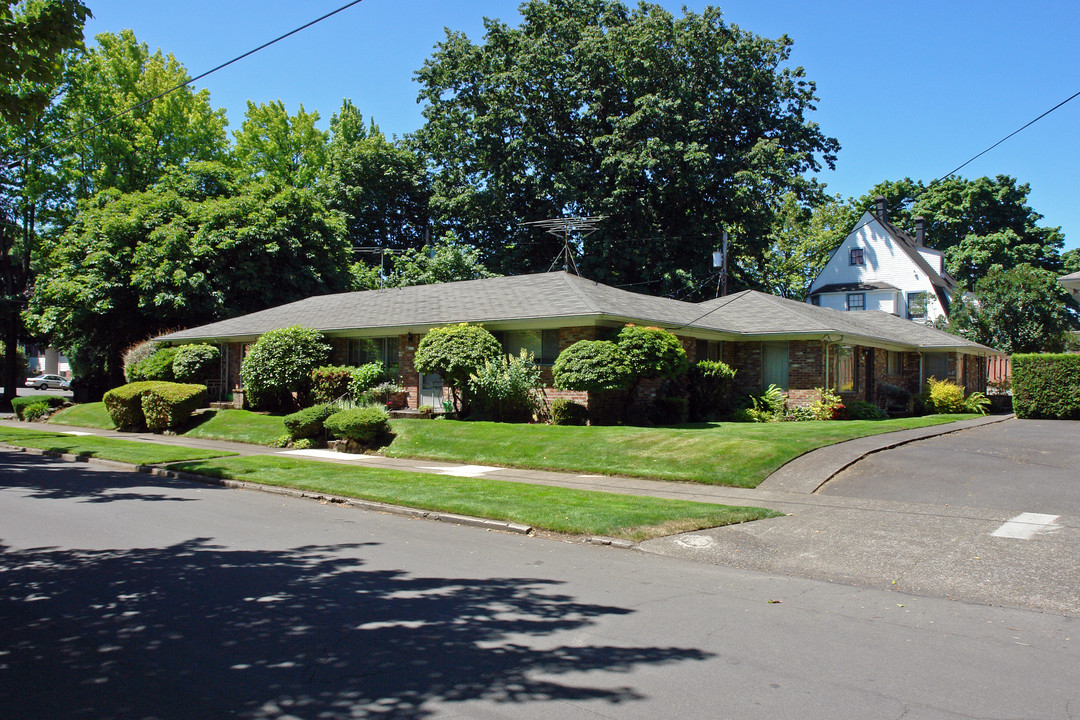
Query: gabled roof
point(559, 298)
point(943, 283)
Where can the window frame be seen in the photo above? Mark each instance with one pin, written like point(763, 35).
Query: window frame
point(862, 301)
point(857, 256)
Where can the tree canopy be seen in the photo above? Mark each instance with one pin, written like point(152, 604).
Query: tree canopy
point(671, 128)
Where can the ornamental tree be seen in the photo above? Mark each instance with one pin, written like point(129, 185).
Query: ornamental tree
point(591, 366)
point(455, 352)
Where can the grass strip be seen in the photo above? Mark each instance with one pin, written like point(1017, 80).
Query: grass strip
point(734, 454)
point(549, 508)
point(18, 433)
point(106, 448)
point(91, 415)
point(237, 426)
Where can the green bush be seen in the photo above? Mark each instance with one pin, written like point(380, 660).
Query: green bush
point(157, 366)
point(35, 410)
point(565, 411)
point(828, 406)
point(862, 410)
point(708, 383)
point(768, 406)
point(20, 404)
point(308, 423)
point(366, 377)
point(976, 402)
point(893, 398)
point(280, 363)
point(455, 352)
point(651, 352)
point(944, 397)
point(591, 366)
point(153, 405)
point(363, 425)
point(798, 413)
point(196, 363)
point(507, 389)
point(330, 382)
point(124, 405)
point(1046, 386)
point(135, 355)
point(380, 394)
point(169, 405)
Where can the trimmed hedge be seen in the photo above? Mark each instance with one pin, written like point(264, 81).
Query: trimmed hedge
point(1046, 386)
point(19, 404)
point(565, 411)
point(361, 424)
point(308, 423)
point(193, 363)
point(153, 405)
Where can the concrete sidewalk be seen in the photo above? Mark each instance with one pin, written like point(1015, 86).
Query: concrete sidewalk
point(790, 487)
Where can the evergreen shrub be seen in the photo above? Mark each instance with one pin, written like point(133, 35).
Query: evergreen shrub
point(308, 423)
point(195, 363)
point(330, 382)
point(565, 411)
point(1046, 386)
point(363, 425)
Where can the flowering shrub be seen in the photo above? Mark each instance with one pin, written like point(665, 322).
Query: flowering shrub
point(507, 389)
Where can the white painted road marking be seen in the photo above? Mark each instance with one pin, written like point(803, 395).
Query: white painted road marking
point(1026, 525)
point(463, 470)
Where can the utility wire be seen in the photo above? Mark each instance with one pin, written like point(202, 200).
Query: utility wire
point(1015, 132)
point(223, 65)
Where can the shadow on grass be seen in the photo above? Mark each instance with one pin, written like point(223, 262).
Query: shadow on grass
point(198, 630)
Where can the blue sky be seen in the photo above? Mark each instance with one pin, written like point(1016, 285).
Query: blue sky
point(909, 88)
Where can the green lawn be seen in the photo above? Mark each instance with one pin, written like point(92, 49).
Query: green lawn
point(233, 425)
point(238, 426)
point(90, 415)
point(547, 508)
point(106, 448)
point(736, 454)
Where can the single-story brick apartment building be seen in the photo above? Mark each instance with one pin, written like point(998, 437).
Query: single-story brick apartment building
point(767, 339)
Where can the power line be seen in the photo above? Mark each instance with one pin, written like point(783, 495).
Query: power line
point(1015, 132)
point(223, 65)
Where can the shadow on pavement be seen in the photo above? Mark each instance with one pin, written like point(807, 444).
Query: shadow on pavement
point(197, 630)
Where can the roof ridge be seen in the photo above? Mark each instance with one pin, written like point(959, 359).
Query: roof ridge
point(580, 296)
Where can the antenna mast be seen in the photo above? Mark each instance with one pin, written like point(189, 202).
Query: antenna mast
point(561, 228)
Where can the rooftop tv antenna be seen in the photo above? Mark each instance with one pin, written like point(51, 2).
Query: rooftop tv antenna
point(562, 228)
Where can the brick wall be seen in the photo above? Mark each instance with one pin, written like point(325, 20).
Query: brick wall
point(339, 351)
point(409, 379)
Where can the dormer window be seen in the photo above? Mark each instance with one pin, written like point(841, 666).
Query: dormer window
point(856, 256)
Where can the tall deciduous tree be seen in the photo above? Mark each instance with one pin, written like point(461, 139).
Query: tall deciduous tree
point(288, 149)
point(803, 239)
point(381, 186)
point(672, 128)
point(133, 151)
point(199, 245)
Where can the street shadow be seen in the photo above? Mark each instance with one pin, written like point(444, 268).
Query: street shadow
point(198, 631)
point(49, 479)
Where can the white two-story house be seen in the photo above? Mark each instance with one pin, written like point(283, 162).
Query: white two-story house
point(881, 267)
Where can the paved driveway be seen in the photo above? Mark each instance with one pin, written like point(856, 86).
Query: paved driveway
point(1018, 465)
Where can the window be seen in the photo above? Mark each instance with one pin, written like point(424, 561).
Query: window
point(843, 366)
point(707, 350)
point(367, 350)
point(815, 300)
point(936, 365)
point(916, 305)
point(856, 301)
point(896, 363)
point(856, 256)
point(774, 364)
point(543, 344)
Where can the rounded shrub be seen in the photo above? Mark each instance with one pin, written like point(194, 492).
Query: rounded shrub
point(193, 363)
point(281, 363)
point(21, 405)
point(455, 352)
point(567, 412)
point(156, 366)
point(651, 352)
point(590, 366)
point(135, 355)
point(862, 410)
point(308, 423)
point(708, 383)
point(363, 425)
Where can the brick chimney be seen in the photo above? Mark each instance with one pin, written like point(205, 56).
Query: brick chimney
point(882, 211)
point(920, 231)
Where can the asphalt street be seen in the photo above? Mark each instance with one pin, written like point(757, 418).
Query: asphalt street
point(132, 596)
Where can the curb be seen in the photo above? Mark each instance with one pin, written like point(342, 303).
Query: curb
point(467, 520)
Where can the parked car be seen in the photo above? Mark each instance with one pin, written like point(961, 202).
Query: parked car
point(44, 382)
